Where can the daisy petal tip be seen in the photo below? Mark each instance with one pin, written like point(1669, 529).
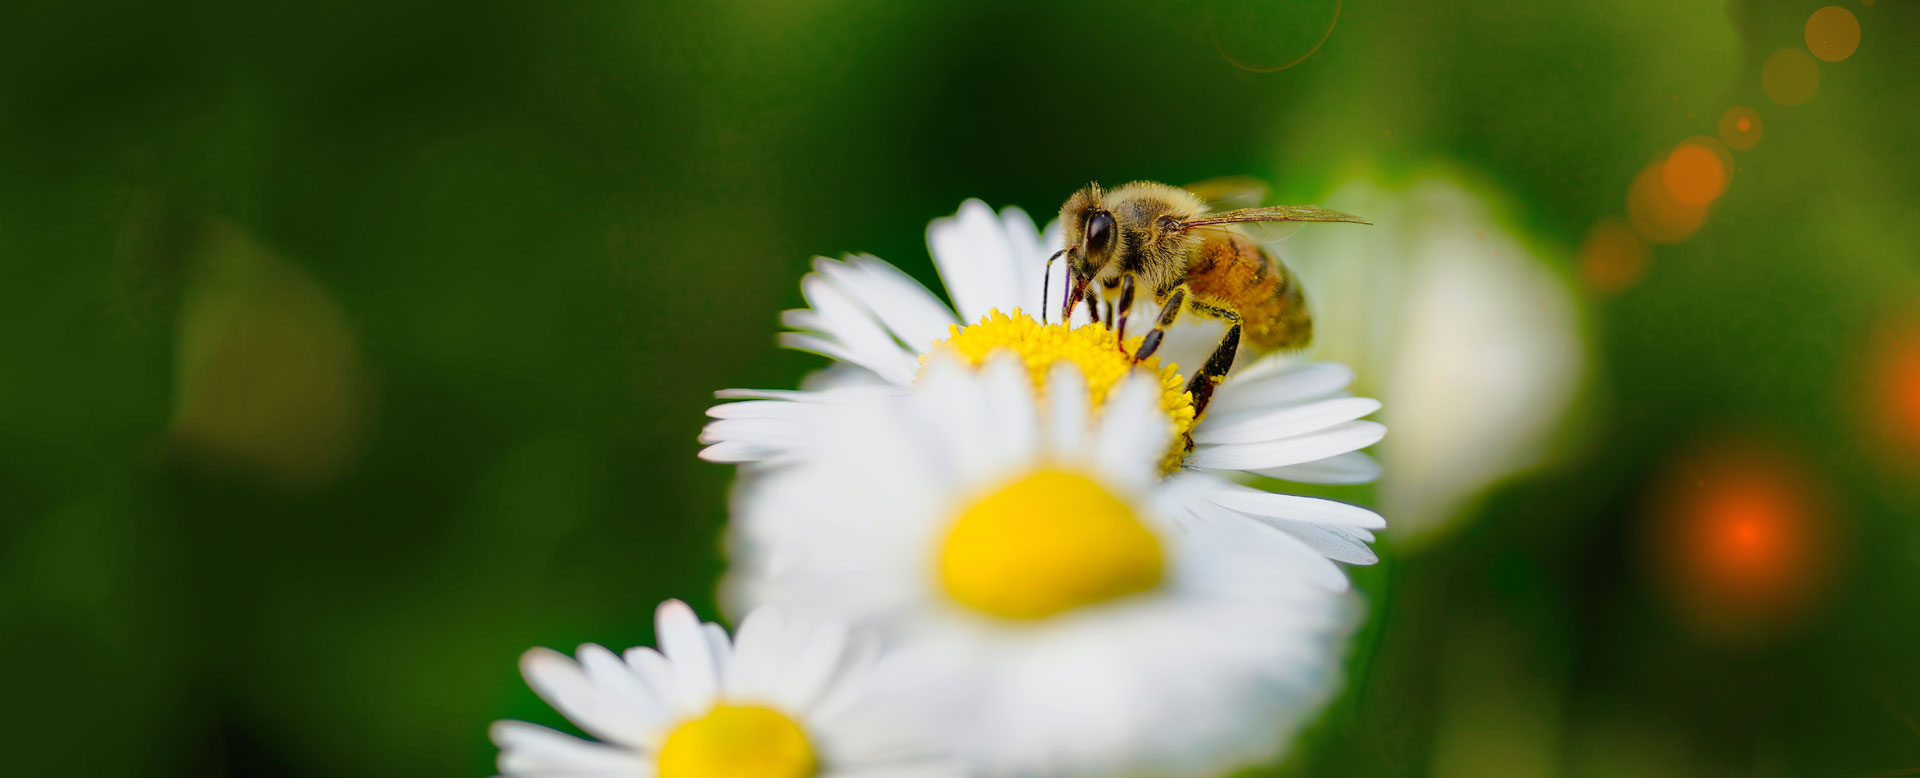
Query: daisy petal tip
point(511, 735)
point(539, 662)
point(974, 206)
point(673, 612)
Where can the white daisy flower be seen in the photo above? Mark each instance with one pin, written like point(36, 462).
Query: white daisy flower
point(1468, 328)
point(1272, 418)
point(787, 699)
point(1063, 607)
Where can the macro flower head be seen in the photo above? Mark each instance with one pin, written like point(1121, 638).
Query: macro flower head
point(789, 698)
point(1054, 603)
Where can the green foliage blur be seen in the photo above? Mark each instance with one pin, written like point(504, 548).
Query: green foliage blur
point(349, 350)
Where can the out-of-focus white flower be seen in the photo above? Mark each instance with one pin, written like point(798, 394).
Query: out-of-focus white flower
point(1273, 417)
point(790, 698)
point(1059, 605)
point(1470, 332)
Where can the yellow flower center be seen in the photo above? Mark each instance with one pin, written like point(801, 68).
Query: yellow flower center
point(1092, 347)
point(737, 741)
point(1053, 541)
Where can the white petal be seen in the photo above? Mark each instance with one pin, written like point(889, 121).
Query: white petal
point(614, 678)
point(1353, 467)
point(1255, 502)
point(1068, 421)
point(682, 641)
point(737, 453)
point(667, 684)
point(761, 409)
point(1338, 439)
point(1340, 544)
point(526, 748)
point(1029, 257)
point(721, 647)
point(975, 261)
point(562, 683)
point(894, 364)
point(836, 314)
point(1280, 387)
point(1255, 536)
point(797, 395)
point(1134, 431)
point(757, 431)
point(816, 653)
point(953, 406)
point(914, 315)
point(1012, 409)
point(756, 648)
point(1253, 426)
point(923, 768)
point(848, 688)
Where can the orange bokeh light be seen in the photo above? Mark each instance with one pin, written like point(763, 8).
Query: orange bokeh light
point(1790, 77)
point(1741, 541)
point(1696, 171)
point(1655, 214)
point(1612, 258)
point(1833, 33)
point(1894, 380)
point(1744, 530)
point(1740, 127)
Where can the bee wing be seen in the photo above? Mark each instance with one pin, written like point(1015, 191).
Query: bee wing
point(1274, 213)
point(1229, 192)
point(1266, 233)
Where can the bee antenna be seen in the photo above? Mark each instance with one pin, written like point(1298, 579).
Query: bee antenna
point(1046, 278)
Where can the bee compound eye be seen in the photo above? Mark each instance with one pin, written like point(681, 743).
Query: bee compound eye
point(1099, 232)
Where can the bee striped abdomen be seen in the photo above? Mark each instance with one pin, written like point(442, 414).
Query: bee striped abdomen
point(1233, 271)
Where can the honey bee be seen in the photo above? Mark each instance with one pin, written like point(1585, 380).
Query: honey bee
point(1162, 239)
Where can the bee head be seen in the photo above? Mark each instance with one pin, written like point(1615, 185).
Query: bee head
point(1093, 240)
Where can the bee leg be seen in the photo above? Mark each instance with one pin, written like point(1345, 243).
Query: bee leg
point(1046, 278)
point(1210, 375)
point(1168, 313)
point(1125, 305)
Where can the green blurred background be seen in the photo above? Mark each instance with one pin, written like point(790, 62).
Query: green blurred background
point(350, 350)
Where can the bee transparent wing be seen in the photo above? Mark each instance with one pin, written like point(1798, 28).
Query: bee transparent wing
point(1266, 233)
point(1227, 193)
point(1275, 213)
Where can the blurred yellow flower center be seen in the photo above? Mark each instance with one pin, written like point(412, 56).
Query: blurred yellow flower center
point(1092, 347)
point(1053, 541)
point(737, 741)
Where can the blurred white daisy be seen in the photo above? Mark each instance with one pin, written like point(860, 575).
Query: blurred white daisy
point(1470, 330)
point(1060, 605)
point(1273, 417)
point(787, 699)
